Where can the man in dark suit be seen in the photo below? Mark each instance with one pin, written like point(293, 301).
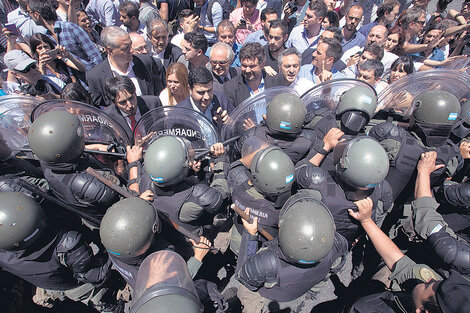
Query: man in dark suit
point(253, 79)
point(162, 50)
point(127, 108)
point(221, 56)
point(202, 98)
point(147, 76)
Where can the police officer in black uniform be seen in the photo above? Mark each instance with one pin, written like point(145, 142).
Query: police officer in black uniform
point(179, 192)
point(304, 255)
point(57, 139)
point(264, 188)
point(58, 261)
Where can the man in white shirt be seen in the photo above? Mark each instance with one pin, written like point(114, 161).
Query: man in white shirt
point(26, 26)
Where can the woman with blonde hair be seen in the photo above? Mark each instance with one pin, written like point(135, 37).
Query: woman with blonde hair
point(177, 87)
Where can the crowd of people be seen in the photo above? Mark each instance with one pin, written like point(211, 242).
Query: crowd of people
point(299, 195)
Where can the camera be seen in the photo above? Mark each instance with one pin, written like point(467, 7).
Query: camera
point(292, 6)
point(41, 88)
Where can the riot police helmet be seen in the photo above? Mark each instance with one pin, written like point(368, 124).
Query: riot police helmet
point(436, 107)
point(166, 160)
point(306, 229)
point(272, 171)
point(57, 136)
point(361, 162)
point(22, 221)
point(356, 108)
point(128, 228)
point(286, 114)
point(164, 284)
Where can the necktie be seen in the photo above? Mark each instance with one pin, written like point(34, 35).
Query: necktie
point(133, 121)
point(225, 79)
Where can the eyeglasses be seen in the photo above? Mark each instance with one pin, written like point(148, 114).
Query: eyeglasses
point(219, 62)
point(421, 22)
point(28, 68)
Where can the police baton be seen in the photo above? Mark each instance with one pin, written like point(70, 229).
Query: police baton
point(91, 219)
point(207, 151)
point(126, 194)
point(247, 218)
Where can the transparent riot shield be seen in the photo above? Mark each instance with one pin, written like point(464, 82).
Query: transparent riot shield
point(15, 112)
point(177, 121)
point(327, 94)
point(250, 112)
point(399, 95)
point(99, 127)
point(164, 285)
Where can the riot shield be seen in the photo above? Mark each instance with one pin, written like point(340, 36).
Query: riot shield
point(15, 112)
point(327, 94)
point(164, 284)
point(399, 95)
point(177, 121)
point(250, 112)
point(99, 127)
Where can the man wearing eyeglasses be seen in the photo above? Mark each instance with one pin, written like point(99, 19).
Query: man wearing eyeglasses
point(161, 49)
point(221, 56)
point(412, 22)
point(24, 77)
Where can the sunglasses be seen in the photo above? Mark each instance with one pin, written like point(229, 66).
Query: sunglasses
point(421, 22)
point(28, 68)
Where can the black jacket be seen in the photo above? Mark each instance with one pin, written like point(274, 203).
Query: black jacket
point(149, 74)
point(237, 90)
point(219, 84)
point(145, 104)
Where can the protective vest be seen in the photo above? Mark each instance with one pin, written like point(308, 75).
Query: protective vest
point(40, 265)
point(296, 147)
point(78, 188)
point(168, 201)
point(404, 152)
point(266, 211)
point(334, 198)
point(294, 281)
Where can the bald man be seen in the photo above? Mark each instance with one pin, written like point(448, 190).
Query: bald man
point(139, 45)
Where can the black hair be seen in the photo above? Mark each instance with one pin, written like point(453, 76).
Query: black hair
point(252, 50)
point(130, 8)
point(197, 40)
point(333, 18)
point(76, 92)
point(267, 11)
point(407, 61)
point(44, 8)
point(117, 84)
point(200, 76)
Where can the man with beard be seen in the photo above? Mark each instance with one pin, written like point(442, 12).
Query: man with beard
point(267, 16)
point(277, 36)
point(202, 98)
point(253, 79)
point(351, 37)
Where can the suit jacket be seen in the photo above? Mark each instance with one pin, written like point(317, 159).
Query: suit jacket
point(219, 84)
point(149, 74)
point(237, 90)
point(218, 101)
point(145, 104)
point(171, 54)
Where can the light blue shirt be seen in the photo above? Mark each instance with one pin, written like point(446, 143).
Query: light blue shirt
point(298, 39)
point(103, 12)
point(257, 36)
point(216, 19)
point(308, 71)
point(26, 26)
